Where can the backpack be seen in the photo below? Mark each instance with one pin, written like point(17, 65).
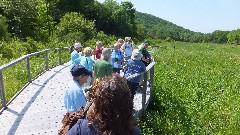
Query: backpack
point(71, 118)
point(71, 49)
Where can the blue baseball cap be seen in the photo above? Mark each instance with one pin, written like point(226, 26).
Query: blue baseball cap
point(79, 70)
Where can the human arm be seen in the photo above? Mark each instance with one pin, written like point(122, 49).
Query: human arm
point(145, 59)
point(148, 55)
point(120, 61)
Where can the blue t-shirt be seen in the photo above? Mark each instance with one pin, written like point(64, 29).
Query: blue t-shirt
point(116, 56)
point(74, 97)
point(87, 62)
point(133, 67)
point(82, 128)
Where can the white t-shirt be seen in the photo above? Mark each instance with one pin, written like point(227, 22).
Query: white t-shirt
point(127, 49)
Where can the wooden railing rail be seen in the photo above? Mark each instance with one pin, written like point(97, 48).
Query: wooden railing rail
point(3, 104)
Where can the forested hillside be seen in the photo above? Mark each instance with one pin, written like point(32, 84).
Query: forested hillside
point(161, 29)
point(157, 28)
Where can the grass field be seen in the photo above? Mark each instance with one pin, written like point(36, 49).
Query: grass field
point(197, 90)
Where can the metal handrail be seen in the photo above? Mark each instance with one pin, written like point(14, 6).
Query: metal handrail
point(27, 58)
point(145, 103)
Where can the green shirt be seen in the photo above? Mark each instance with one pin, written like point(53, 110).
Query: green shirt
point(143, 52)
point(102, 68)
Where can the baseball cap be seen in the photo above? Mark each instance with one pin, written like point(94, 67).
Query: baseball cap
point(127, 38)
point(146, 42)
point(78, 45)
point(79, 70)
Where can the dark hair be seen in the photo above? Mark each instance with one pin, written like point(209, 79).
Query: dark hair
point(112, 112)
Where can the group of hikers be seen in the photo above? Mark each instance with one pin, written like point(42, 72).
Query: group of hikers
point(111, 95)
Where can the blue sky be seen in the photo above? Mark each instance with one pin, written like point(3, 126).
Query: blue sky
point(197, 15)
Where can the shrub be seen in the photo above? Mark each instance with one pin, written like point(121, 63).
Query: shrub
point(73, 23)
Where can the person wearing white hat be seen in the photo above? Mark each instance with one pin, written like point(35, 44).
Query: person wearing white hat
point(127, 48)
point(134, 66)
point(75, 57)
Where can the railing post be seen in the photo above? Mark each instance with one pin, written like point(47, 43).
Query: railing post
point(144, 92)
point(60, 56)
point(2, 92)
point(151, 83)
point(47, 61)
point(29, 70)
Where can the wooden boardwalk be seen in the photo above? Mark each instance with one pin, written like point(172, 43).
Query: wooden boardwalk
point(39, 108)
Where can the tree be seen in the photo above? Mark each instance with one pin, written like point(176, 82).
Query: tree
point(75, 23)
point(45, 23)
point(3, 28)
point(234, 36)
point(219, 36)
point(58, 8)
point(21, 17)
point(122, 18)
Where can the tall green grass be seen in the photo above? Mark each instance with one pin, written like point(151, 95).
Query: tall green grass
point(196, 90)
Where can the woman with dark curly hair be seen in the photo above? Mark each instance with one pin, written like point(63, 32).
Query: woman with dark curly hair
point(111, 112)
